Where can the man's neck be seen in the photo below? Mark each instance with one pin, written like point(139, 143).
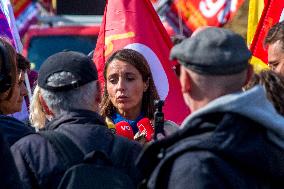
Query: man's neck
point(196, 105)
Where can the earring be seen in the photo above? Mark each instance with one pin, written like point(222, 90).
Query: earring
point(145, 89)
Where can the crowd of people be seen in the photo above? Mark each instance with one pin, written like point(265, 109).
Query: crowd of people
point(233, 138)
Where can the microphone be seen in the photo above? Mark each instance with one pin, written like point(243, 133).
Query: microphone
point(146, 126)
point(124, 129)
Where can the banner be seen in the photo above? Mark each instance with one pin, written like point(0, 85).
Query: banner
point(271, 14)
point(135, 24)
point(5, 29)
point(188, 15)
point(8, 25)
point(26, 12)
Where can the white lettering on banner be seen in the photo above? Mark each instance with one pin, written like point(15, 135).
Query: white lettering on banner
point(231, 6)
point(222, 16)
point(209, 8)
point(159, 76)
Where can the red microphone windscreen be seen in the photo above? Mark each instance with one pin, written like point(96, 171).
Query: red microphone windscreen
point(124, 129)
point(146, 125)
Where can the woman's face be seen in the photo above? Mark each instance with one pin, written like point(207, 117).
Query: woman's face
point(125, 87)
point(14, 104)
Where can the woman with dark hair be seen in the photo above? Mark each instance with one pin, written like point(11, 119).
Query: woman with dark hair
point(129, 91)
point(9, 103)
point(8, 77)
point(12, 91)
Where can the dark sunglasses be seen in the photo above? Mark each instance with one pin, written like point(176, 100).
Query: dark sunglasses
point(176, 69)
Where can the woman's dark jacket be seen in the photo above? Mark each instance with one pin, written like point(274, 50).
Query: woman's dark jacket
point(9, 177)
point(13, 129)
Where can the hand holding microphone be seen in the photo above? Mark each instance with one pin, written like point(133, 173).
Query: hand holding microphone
point(145, 126)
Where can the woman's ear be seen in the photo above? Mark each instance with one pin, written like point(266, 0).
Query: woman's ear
point(146, 85)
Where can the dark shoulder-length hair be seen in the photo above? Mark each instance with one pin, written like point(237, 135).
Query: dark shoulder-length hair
point(10, 55)
point(137, 60)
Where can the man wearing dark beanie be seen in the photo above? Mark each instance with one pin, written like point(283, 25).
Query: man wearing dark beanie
point(232, 139)
point(69, 95)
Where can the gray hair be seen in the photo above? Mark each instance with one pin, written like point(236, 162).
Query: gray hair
point(79, 98)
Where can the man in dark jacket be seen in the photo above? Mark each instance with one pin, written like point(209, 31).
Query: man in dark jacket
point(70, 96)
point(232, 139)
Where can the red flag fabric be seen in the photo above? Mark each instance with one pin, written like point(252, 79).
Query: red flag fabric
point(135, 24)
point(270, 16)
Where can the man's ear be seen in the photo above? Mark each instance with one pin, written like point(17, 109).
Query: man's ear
point(185, 80)
point(98, 97)
point(250, 72)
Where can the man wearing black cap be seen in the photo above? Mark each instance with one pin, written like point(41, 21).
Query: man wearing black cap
point(232, 139)
point(70, 97)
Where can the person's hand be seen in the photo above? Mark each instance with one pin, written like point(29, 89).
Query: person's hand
point(140, 137)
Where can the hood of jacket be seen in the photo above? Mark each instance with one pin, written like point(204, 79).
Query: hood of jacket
point(252, 104)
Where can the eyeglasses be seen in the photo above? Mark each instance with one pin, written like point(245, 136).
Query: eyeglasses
point(176, 69)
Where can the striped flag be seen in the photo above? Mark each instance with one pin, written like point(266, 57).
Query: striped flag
point(8, 27)
point(26, 12)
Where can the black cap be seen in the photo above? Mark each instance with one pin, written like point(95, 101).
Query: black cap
point(213, 51)
point(78, 64)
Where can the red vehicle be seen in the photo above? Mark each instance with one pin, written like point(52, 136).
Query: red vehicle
point(42, 41)
point(78, 33)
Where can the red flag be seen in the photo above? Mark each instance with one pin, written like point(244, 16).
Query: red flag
point(270, 16)
point(135, 24)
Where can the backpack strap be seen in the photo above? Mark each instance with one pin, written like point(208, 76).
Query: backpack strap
point(69, 153)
